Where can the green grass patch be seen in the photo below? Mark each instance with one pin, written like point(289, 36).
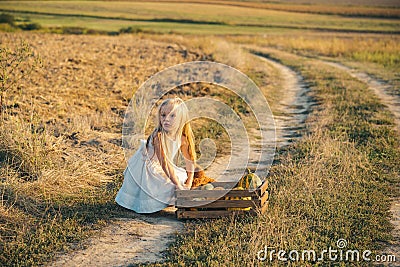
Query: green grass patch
point(54, 23)
point(189, 14)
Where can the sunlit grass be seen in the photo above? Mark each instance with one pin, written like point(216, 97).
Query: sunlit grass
point(333, 184)
point(381, 49)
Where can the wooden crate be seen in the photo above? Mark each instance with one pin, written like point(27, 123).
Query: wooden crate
point(190, 203)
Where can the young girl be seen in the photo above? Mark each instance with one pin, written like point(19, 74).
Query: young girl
point(151, 176)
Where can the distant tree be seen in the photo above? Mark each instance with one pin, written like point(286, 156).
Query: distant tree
point(130, 29)
point(73, 30)
point(15, 64)
point(30, 26)
point(7, 18)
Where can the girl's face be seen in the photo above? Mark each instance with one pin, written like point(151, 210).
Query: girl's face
point(168, 119)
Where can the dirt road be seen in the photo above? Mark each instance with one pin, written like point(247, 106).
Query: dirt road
point(127, 241)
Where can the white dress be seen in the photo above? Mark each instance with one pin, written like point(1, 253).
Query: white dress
point(146, 188)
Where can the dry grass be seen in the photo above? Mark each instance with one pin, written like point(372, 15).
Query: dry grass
point(335, 183)
point(60, 138)
point(377, 55)
point(381, 49)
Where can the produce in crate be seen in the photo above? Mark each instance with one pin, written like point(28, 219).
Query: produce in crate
point(207, 187)
point(238, 198)
point(200, 178)
point(219, 188)
point(249, 180)
point(239, 201)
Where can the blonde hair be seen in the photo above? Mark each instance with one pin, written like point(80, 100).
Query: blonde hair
point(184, 128)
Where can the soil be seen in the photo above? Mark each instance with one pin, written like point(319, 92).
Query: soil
point(294, 108)
point(127, 241)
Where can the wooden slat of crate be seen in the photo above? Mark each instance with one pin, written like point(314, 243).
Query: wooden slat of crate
point(192, 214)
point(215, 193)
point(264, 207)
point(264, 198)
point(225, 184)
point(184, 213)
point(219, 207)
point(263, 187)
point(223, 203)
point(219, 203)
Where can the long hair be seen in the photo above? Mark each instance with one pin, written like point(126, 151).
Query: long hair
point(183, 129)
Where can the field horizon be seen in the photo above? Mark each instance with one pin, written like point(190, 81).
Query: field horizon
point(203, 17)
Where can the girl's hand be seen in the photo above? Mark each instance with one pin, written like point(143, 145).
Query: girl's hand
point(180, 187)
point(188, 185)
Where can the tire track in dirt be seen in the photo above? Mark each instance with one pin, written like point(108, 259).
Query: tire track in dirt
point(392, 102)
point(380, 88)
point(126, 241)
point(290, 113)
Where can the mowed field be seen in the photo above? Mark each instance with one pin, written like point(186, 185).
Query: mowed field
point(221, 17)
point(61, 155)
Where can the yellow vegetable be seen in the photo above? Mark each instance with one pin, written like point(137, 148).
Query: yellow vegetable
point(250, 180)
point(219, 188)
point(238, 198)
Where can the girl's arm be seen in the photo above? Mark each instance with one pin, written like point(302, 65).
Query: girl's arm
point(188, 162)
point(166, 166)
